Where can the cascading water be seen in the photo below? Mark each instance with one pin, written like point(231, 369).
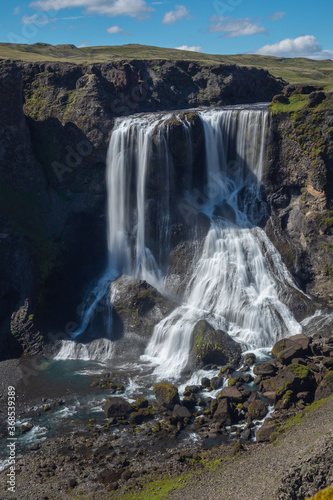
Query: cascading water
point(233, 285)
point(238, 276)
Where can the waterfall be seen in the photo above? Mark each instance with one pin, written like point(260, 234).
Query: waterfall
point(233, 285)
point(239, 283)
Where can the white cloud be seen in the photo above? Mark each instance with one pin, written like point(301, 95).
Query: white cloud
point(277, 16)
point(173, 16)
point(235, 27)
point(83, 44)
point(115, 30)
point(192, 48)
point(302, 46)
point(133, 8)
point(16, 11)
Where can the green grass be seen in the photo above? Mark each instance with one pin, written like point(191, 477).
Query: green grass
point(293, 70)
point(297, 420)
point(296, 103)
point(158, 489)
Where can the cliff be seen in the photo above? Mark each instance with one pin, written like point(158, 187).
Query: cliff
point(56, 120)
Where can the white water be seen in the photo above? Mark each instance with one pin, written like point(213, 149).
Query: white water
point(234, 286)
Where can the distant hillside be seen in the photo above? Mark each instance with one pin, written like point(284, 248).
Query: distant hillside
point(293, 70)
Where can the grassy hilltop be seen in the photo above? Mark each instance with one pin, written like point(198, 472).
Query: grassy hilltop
point(293, 70)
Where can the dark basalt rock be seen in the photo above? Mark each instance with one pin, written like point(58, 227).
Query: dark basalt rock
point(137, 306)
point(211, 346)
point(293, 347)
point(166, 395)
point(117, 407)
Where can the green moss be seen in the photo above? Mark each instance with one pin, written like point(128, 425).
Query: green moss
point(299, 371)
point(325, 494)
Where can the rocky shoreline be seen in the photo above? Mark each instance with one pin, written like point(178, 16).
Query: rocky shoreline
point(169, 436)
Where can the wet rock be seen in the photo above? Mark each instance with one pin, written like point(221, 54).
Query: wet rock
point(213, 346)
point(192, 389)
point(141, 403)
point(26, 427)
point(250, 358)
point(223, 413)
point(117, 407)
point(137, 306)
point(189, 402)
point(166, 395)
point(205, 382)
point(216, 383)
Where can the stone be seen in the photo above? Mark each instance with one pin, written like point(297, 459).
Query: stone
point(223, 413)
point(166, 395)
point(181, 411)
point(325, 388)
point(137, 307)
point(216, 383)
point(26, 427)
point(205, 382)
point(213, 346)
point(266, 369)
point(265, 432)
point(292, 347)
point(231, 393)
point(257, 410)
point(193, 389)
point(117, 407)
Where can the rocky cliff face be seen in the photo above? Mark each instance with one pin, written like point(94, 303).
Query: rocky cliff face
point(55, 125)
point(300, 195)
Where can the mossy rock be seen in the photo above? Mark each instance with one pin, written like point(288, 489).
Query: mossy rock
point(166, 394)
point(210, 346)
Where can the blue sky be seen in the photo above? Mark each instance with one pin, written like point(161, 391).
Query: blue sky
point(286, 28)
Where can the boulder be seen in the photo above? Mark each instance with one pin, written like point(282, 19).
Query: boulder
point(211, 346)
point(257, 410)
point(292, 347)
point(137, 307)
point(325, 388)
point(216, 383)
point(265, 432)
point(293, 377)
point(266, 369)
point(166, 395)
point(181, 411)
point(117, 407)
point(250, 358)
point(232, 394)
point(223, 413)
